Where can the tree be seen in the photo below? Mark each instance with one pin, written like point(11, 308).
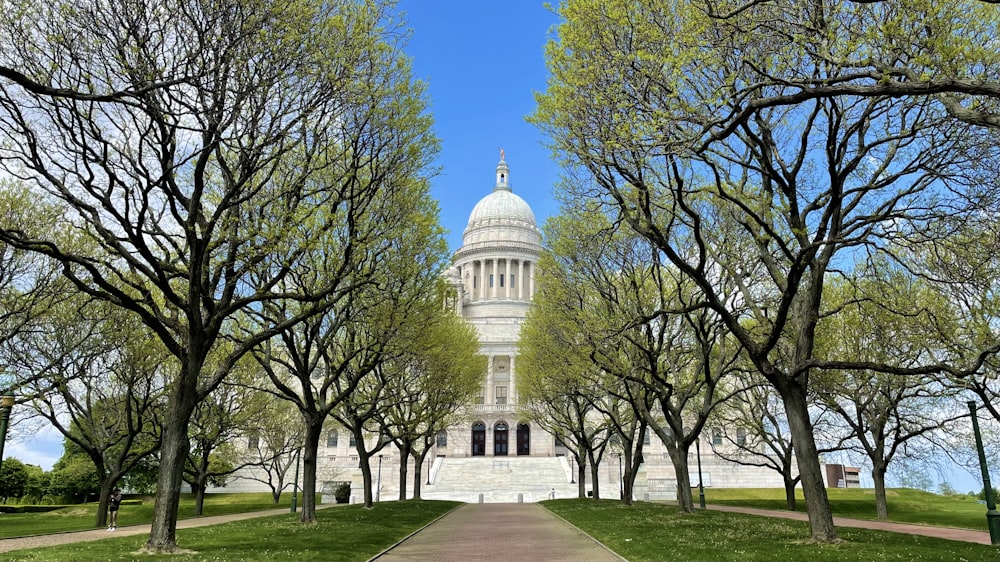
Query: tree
point(97, 376)
point(823, 130)
point(14, 477)
point(275, 443)
point(887, 414)
point(438, 373)
point(204, 150)
point(74, 475)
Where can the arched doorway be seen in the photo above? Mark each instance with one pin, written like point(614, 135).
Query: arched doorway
point(478, 439)
point(523, 439)
point(500, 439)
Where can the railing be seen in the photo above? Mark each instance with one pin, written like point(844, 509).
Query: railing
point(494, 407)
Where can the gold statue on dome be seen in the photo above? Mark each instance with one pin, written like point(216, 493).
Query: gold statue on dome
point(501, 155)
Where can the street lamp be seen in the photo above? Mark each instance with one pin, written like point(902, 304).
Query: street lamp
point(701, 484)
point(621, 481)
point(6, 403)
point(295, 485)
point(378, 486)
point(992, 516)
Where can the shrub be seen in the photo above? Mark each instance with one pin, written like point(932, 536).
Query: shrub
point(342, 493)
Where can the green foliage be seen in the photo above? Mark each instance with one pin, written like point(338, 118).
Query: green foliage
point(74, 476)
point(141, 479)
point(342, 493)
point(982, 494)
point(14, 477)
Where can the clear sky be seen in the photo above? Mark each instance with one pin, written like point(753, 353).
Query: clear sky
point(483, 62)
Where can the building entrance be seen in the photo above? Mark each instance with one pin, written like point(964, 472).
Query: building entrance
point(523, 439)
point(478, 439)
point(500, 440)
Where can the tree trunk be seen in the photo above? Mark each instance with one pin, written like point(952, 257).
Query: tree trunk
point(817, 503)
point(627, 479)
point(174, 450)
point(595, 479)
point(404, 459)
point(878, 475)
point(679, 458)
point(366, 475)
point(581, 475)
point(789, 491)
point(102, 503)
point(418, 466)
point(310, 446)
point(199, 495)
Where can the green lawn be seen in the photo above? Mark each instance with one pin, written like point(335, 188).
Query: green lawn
point(652, 532)
point(346, 533)
point(905, 505)
point(82, 517)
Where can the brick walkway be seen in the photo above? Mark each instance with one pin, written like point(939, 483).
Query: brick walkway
point(499, 532)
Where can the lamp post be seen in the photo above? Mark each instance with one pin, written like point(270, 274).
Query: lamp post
point(295, 485)
point(621, 481)
point(701, 484)
point(992, 516)
point(6, 404)
point(378, 486)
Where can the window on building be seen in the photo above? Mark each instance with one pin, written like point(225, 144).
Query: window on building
point(491, 280)
point(253, 441)
point(501, 279)
point(481, 399)
point(716, 436)
point(475, 282)
point(501, 395)
point(645, 438)
point(513, 283)
point(352, 442)
point(331, 439)
point(741, 436)
point(442, 438)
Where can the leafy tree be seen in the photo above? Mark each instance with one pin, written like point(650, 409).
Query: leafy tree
point(824, 131)
point(37, 485)
point(435, 377)
point(14, 476)
point(74, 475)
point(204, 151)
point(275, 445)
point(97, 376)
point(887, 414)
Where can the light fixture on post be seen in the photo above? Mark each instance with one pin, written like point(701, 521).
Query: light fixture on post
point(6, 405)
point(295, 485)
point(378, 486)
point(701, 485)
point(992, 515)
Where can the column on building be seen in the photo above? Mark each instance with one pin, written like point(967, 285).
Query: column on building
point(495, 293)
point(506, 283)
point(512, 384)
point(482, 280)
point(520, 280)
point(531, 280)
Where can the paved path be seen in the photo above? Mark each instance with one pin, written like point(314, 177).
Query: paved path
point(965, 535)
point(7, 545)
point(499, 531)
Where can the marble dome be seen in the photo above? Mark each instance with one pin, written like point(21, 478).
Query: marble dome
point(501, 216)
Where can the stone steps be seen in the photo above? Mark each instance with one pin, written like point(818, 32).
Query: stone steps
point(500, 479)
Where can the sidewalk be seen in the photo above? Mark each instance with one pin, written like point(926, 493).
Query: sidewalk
point(524, 532)
point(950, 533)
point(37, 541)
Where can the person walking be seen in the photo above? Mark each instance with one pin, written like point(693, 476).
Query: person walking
point(113, 504)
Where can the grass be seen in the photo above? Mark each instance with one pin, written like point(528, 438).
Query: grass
point(344, 533)
point(82, 517)
point(905, 505)
point(648, 531)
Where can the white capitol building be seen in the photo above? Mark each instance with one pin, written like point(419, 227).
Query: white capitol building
point(496, 454)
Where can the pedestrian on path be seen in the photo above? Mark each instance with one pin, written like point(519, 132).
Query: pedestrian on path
point(113, 504)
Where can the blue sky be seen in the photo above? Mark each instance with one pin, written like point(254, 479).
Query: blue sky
point(483, 62)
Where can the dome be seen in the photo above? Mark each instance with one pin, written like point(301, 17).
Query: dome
point(501, 216)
